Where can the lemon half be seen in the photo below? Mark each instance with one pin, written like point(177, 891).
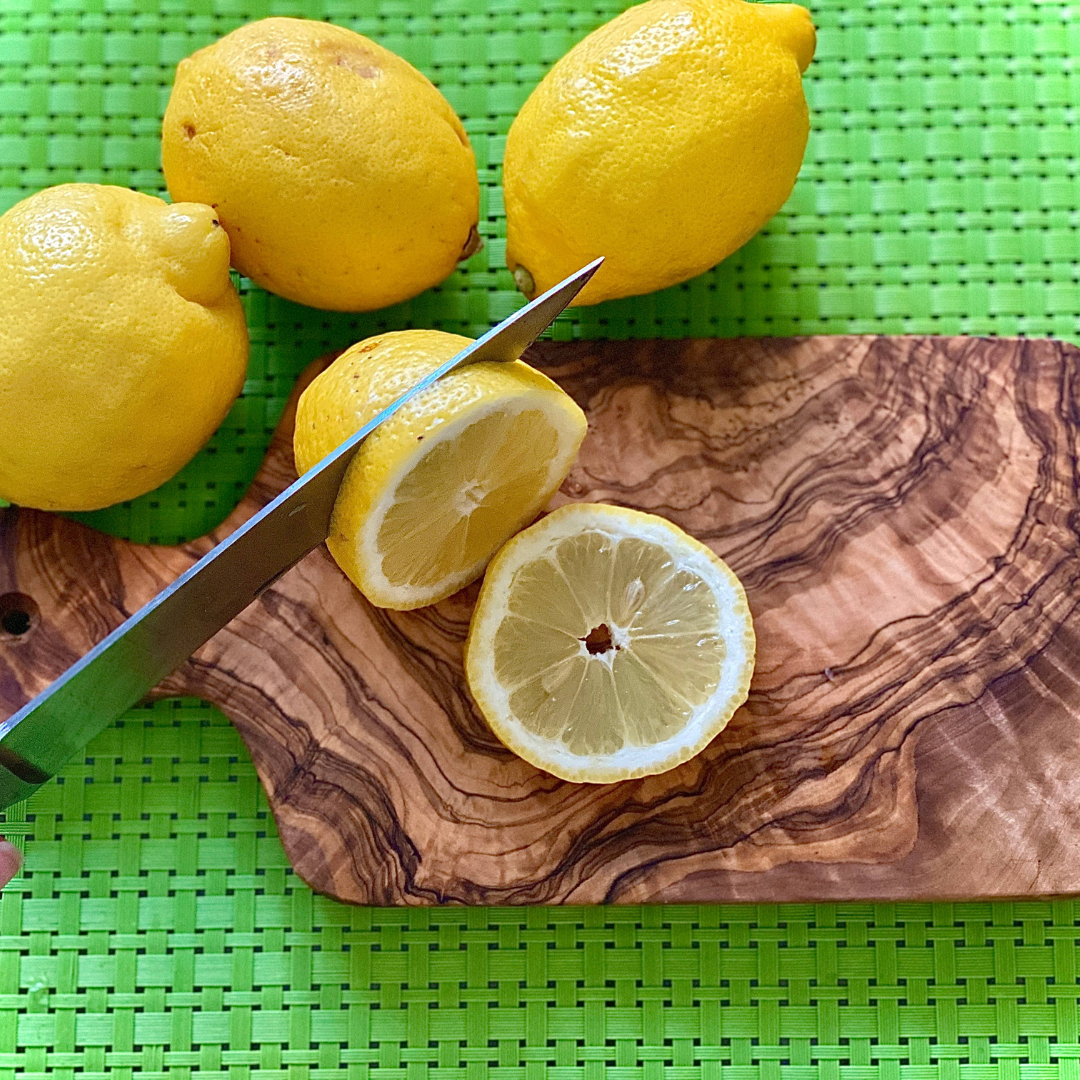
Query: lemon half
point(435, 490)
point(608, 644)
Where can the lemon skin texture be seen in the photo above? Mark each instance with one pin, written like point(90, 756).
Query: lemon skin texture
point(367, 378)
point(122, 343)
point(662, 141)
point(343, 177)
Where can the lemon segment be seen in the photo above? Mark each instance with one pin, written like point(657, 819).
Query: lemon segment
point(441, 485)
point(608, 644)
point(494, 465)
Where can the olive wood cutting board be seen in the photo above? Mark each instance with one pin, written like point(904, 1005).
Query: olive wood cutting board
point(903, 513)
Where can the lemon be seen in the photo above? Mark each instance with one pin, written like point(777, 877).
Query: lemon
point(663, 141)
point(342, 176)
point(608, 644)
point(435, 490)
point(122, 343)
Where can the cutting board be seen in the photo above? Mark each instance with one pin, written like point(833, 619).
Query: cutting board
point(903, 513)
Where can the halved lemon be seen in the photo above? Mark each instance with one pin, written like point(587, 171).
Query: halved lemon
point(608, 644)
point(435, 490)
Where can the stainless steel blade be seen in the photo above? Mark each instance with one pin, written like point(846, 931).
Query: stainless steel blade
point(119, 671)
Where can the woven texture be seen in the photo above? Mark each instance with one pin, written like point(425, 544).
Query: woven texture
point(160, 929)
point(157, 926)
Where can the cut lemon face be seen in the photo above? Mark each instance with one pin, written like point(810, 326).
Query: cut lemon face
point(436, 490)
point(608, 644)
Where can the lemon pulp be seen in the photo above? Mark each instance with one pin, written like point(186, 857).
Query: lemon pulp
point(608, 643)
point(494, 468)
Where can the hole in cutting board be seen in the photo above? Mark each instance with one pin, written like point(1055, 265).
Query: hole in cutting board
point(18, 614)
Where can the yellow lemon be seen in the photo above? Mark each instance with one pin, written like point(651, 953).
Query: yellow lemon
point(663, 142)
point(122, 343)
point(435, 490)
point(342, 176)
point(608, 644)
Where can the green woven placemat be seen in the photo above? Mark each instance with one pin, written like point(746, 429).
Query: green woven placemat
point(161, 929)
point(158, 928)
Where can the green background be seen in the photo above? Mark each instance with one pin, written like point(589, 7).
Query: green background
point(157, 927)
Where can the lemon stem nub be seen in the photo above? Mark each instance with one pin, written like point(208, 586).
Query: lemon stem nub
point(473, 244)
point(524, 281)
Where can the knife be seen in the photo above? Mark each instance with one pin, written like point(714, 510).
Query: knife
point(124, 667)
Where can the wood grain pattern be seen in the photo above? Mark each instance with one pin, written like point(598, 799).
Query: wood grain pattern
point(903, 513)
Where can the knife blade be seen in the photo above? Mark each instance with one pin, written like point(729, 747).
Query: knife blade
point(154, 641)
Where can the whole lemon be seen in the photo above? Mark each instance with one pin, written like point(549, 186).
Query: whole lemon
point(662, 141)
point(122, 343)
point(343, 177)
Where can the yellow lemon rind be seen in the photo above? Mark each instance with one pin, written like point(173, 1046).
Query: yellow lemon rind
point(663, 141)
point(123, 343)
point(343, 176)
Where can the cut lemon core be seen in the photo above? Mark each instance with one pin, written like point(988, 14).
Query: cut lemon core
point(493, 468)
point(439, 487)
